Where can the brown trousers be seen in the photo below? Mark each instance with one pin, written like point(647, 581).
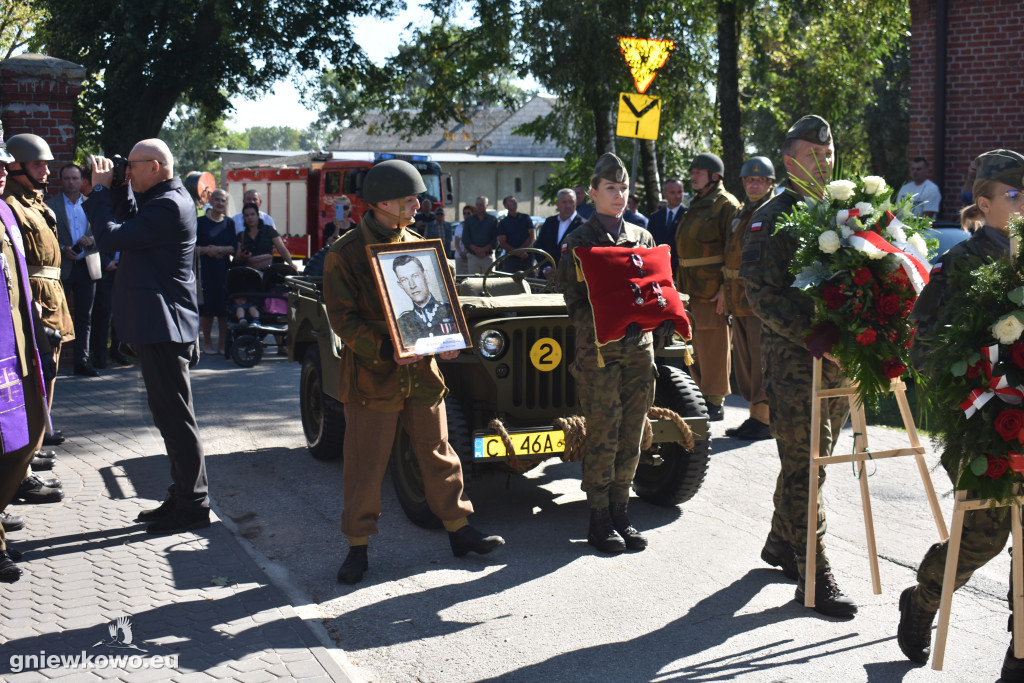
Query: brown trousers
point(746, 358)
point(710, 349)
point(369, 437)
point(14, 465)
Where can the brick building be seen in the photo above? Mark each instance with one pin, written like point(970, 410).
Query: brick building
point(965, 86)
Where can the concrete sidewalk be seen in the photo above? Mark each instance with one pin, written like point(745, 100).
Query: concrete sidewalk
point(188, 607)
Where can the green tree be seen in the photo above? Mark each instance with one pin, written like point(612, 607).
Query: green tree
point(143, 58)
point(19, 20)
point(191, 144)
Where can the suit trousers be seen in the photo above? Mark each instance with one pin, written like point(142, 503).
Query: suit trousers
point(13, 465)
point(101, 328)
point(476, 265)
point(165, 367)
point(369, 437)
point(710, 350)
point(83, 291)
point(746, 360)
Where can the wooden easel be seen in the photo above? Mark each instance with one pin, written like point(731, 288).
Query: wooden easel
point(963, 504)
point(859, 455)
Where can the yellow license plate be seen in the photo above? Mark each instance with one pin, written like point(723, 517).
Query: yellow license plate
point(527, 444)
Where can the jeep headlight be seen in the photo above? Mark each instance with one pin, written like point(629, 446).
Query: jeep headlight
point(492, 344)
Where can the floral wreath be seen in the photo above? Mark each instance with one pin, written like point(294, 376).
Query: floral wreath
point(861, 257)
point(975, 375)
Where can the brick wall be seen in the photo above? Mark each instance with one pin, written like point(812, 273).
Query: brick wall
point(984, 87)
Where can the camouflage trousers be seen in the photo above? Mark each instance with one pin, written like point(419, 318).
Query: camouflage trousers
point(789, 400)
point(614, 400)
point(984, 535)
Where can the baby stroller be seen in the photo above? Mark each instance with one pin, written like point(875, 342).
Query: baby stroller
point(267, 292)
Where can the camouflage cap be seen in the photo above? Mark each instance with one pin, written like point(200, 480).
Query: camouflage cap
point(611, 168)
point(1001, 165)
point(811, 128)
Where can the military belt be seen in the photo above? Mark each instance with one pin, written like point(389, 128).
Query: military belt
point(730, 273)
point(48, 272)
point(706, 261)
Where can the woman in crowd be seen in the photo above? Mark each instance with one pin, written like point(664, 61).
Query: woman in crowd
point(216, 241)
point(257, 242)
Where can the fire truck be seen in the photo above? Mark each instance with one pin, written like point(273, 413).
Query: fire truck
point(300, 193)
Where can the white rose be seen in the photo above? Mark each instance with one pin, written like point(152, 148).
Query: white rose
point(841, 190)
point(1008, 329)
point(873, 184)
point(865, 209)
point(842, 216)
point(828, 242)
point(847, 232)
point(896, 233)
point(918, 243)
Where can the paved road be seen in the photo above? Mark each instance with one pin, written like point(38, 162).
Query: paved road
point(697, 605)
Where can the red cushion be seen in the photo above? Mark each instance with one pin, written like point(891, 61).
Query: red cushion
point(613, 278)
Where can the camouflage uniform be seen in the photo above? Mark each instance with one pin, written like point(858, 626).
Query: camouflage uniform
point(746, 327)
point(985, 531)
point(412, 327)
point(700, 246)
point(786, 313)
point(614, 398)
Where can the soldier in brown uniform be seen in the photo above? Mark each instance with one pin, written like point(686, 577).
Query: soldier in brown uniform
point(24, 193)
point(785, 311)
point(700, 247)
point(378, 388)
point(758, 176)
point(616, 395)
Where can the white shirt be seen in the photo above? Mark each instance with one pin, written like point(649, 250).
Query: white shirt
point(240, 222)
point(77, 222)
point(926, 196)
point(563, 226)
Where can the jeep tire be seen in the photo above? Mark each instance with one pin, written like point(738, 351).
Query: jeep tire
point(681, 474)
point(323, 418)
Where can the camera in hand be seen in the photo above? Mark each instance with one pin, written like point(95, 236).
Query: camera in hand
point(119, 168)
point(77, 248)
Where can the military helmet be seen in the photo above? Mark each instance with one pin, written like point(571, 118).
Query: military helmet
point(28, 147)
point(711, 163)
point(758, 167)
point(5, 156)
point(392, 179)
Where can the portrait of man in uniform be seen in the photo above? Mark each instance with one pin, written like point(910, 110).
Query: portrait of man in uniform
point(428, 317)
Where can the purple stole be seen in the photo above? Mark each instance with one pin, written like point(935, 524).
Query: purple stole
point(14, 431)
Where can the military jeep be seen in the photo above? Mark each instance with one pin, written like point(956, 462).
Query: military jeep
point(516, 372)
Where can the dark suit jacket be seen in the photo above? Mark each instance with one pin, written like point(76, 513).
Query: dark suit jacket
point(548, 238)
point(154, 296)
point(666, 234)
point(64, 232)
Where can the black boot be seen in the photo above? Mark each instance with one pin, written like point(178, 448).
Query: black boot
point(9, 572)
point(602, 534)
point(1013, 668)
point(778, 553)
point(354, 566)
point(620, 520)
point(914, 634)
point(163, 511)
point(467, 539)
point(829, 599)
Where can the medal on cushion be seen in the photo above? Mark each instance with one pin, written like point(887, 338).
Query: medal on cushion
point(639, 300)
point(639, 263)
point(662, 302)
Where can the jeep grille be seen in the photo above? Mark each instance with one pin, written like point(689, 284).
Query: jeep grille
point(533, 389)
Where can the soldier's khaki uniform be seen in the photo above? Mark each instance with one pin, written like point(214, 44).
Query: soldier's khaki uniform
point(746, 326)
point(42, 255)
point(614, 398)
point(377, 391)
point(786, 313)
point(700, 246)
point(985, 531)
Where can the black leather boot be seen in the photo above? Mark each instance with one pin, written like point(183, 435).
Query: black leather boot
point(354, 566)
point(777, 553)
point(602, 534)
point(620, 520)
point(467, 539)
point(914, 634)
point(829, 599)
point(9, 572)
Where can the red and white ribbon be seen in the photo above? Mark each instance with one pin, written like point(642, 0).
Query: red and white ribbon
point(997, 386)
point(871, 242)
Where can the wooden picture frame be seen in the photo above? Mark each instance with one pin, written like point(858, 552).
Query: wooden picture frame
point(405, 272)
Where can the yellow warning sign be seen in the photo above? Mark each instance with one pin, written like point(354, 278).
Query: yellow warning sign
point(639, 116)
point(644, 57)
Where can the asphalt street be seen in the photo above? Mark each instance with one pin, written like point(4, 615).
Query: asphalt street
point(698, 604)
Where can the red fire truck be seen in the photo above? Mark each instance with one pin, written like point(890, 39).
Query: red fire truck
point(300, 192)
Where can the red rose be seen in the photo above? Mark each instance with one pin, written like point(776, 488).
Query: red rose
point(1008, 423)
point(973, 370)
point(833, 297)
point(893, 368)
point(899, 277)
point(862, 276)
point(1017, 354)
point(996, 467)
point(889, 305)
point(867, 337)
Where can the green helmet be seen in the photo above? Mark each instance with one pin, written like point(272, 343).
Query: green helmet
point(758, 167)
point(711, 163)
point(28, 147)
point(392, 179)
